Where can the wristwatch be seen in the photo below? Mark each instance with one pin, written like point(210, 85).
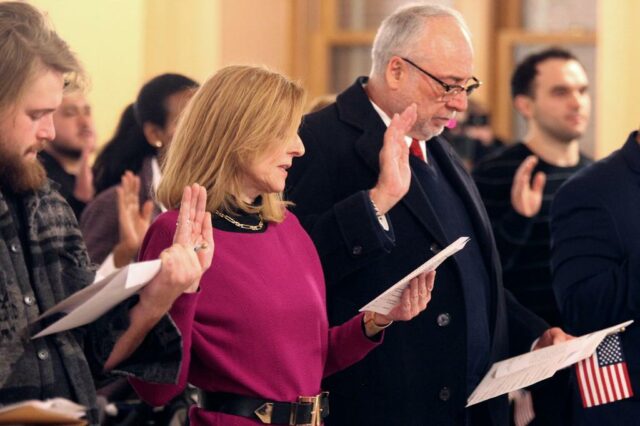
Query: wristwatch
point(382, 219)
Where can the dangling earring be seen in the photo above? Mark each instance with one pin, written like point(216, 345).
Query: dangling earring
point(158, 144)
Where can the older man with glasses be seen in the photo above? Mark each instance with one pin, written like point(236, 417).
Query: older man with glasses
point(376, 208)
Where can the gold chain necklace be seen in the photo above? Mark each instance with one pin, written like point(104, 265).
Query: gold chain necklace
point(257, 227)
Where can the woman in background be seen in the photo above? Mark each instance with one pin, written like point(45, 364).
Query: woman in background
point(256, 338)
point(113, 224)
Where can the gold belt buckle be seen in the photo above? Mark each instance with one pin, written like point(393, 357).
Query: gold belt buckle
point(264, 412)
point(316, 409)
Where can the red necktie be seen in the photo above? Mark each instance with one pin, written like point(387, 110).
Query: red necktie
point(415, 149)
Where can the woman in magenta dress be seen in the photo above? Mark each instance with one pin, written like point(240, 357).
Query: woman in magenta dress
point(255, 335)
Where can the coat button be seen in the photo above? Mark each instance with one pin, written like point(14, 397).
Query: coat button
point(435, 248)
point(443, 319)
point(444, 394)
point(28, 300)
point(357, 250)
point(43, 354)
point(14, 248)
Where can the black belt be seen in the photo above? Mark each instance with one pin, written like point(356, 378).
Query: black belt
point(308, 410)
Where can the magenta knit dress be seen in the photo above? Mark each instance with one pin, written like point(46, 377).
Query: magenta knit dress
point(258, 326)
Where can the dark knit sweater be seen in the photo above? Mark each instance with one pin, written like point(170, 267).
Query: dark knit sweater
point(66, 181)
point(523, 242)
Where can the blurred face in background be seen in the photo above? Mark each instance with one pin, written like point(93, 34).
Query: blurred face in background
point(174, 105)
point(560, 104)
point(75, 129)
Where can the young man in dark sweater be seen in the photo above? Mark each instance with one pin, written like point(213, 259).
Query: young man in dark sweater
point(66, 158)
point(517, 185)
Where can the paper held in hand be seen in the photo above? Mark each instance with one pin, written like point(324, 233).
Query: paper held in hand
point(96, 299)
point(385, 302)
point(532, 367)
point(57, 411)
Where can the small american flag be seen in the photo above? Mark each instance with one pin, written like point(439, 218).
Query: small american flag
point(603, 377)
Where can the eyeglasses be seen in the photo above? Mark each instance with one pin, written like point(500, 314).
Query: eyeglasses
point(450, 90)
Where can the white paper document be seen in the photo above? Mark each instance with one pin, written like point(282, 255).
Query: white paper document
point(58, 411)
point(93, 301)
point(532, 367)
point(386, 301)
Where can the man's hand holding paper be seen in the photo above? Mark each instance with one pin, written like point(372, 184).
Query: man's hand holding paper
point(527, 369)
point(391, 298)
point(552, 336)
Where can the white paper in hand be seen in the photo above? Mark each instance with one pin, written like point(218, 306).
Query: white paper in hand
point(93, 301)
point(530, 368)
point(384, 303)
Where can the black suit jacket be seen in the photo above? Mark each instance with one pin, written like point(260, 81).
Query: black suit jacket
point(417, 377)
point(596, 263)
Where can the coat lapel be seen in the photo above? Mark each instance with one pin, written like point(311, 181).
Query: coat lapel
point(368, 146)
point(466, 189)
point(420, 205)
point(464, 186)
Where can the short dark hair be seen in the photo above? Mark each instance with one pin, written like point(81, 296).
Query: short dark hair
point(526, 71)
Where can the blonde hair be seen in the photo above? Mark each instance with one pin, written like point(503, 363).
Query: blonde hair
point(29, 44)
point(239, 113)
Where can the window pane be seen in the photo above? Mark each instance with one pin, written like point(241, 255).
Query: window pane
point(357, 15)
point(559, 15)
point(347, 64)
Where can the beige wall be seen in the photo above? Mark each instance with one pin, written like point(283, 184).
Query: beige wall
point(618, 81)
point(182, 36)
point(123, 43)
point(107, 37)
point(257, 32)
